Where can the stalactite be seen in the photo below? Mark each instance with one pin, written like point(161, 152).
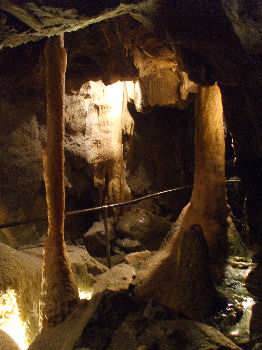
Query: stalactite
point(59, 292)
point(183, 259)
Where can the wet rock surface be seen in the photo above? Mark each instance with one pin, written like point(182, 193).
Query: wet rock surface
point(238, 319)
point(121, 323)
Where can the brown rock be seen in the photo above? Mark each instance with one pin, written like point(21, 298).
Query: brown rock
point(169, 335)
point(139, 259)
point(168, 276)
point(6, 342)
point(142, 225)
point(116, 279)
point(95, 238)
point(21, 270)
point(254, 281)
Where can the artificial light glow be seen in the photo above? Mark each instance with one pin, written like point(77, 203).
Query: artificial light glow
point(85, 294)
point(243, 326)
point(105, 121)
point(248, 303)
point(135, 94)
point(10, 321)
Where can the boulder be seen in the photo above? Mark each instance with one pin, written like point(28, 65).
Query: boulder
point(95, 238)
point(129, 245)
point(120, 323)
point(138, 260)
point(144, 226)
point(117, 279)
point(169, 335)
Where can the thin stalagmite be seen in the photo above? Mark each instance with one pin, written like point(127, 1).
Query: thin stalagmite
point(184, 259)
point(59, 291)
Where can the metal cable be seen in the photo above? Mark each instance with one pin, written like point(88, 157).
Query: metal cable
point(106, 206)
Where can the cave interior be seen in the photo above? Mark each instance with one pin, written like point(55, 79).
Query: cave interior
point(131, 175)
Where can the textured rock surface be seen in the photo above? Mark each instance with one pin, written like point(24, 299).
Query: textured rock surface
point(30, 21)
point(6, 342)
point(223, 42)
point(83, 265)
point(139, 259)
point(116, 279)
point(21, 271)
point(181, 334)
point(142, 225)
point(85, 111)
point(22, 190)
point(95, 238)
point(21, 169)
point(120, 323)
point(65, 335)
point(129, 245)
point(172, 288)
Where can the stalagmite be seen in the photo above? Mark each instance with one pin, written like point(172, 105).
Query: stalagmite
point(179, 274)
point(59, 292)
point(208, 202)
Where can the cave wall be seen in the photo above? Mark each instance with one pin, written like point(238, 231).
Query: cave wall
point(161, 155)
point(243, 105)
point(21, 170)
point(23, 117)
point(23, 136)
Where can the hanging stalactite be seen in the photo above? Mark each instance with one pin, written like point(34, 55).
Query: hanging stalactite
point(59, 292)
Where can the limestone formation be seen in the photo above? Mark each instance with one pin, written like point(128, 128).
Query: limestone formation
point(6, 342)
point(59, 292)
point(185, 258)
point(168, 275)
point(107, 124)
point(169, 335)
point(208, 205)
point(20, 271)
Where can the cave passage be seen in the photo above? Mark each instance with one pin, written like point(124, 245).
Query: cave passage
point(143, 115)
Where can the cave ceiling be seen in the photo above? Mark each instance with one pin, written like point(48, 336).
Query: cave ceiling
point(220, 42)
point(109, 50)
point(25, 21)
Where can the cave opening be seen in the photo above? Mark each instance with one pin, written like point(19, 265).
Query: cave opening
point(130, 185)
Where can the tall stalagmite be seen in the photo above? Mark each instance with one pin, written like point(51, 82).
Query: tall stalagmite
point(208, 206)
point(184, 259)
point(59, 292)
